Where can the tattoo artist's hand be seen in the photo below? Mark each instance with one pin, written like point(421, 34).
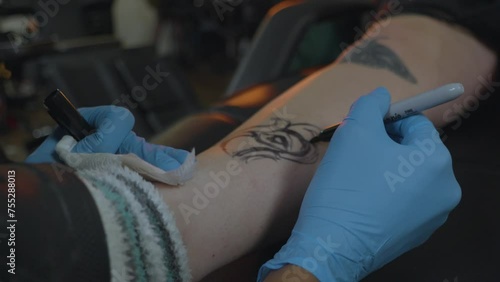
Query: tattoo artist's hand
point(372, 198)
point(113, 135)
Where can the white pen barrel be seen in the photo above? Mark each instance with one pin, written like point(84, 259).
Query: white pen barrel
point(424, 101)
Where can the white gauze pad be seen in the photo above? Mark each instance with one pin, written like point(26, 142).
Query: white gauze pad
point(132, 161)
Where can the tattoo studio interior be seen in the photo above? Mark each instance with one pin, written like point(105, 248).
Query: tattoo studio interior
point(237, 140)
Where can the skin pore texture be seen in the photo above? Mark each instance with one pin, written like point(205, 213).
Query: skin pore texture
point(247, 189)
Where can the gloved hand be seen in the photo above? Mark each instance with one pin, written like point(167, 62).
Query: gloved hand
point(372, 198)
point(113, 135)
point(166, 158)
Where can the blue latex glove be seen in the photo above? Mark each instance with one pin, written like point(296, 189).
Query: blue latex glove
point(113, 135)
point(372, 199)
point(166, 158)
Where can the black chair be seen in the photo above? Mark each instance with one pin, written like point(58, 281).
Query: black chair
point(105, 76)
point(88, 79)
point(169, 99)
point(268, 69)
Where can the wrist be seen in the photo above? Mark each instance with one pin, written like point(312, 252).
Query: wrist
point(322, 256)
point(289, 272)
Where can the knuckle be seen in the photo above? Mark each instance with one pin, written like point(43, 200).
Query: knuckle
point(456, 195)
point(96, 144)
point(122, 114)
point(119, 110)
point(442, 158)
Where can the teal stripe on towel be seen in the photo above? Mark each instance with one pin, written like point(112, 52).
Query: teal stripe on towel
point(129, 224)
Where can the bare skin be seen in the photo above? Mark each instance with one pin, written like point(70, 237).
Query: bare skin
point(254, 180)
point(291, 271)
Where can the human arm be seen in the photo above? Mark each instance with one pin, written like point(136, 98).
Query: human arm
point(266, 194)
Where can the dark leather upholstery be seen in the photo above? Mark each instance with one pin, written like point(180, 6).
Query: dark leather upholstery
point(272, 49)
point(59, 236)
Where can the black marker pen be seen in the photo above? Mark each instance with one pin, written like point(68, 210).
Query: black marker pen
point(67, 116)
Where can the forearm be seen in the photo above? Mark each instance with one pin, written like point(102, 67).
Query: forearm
point(221, 220)
point(264, 193)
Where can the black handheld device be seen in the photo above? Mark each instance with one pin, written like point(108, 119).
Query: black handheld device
point(66, 115)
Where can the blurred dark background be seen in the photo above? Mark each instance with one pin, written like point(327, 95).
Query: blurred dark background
point(99, 51)
point(217, 62)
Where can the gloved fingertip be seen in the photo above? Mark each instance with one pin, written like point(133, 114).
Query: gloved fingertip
point(178, 154)
point(165, 161)
point(382, 92)
point(45, 152)
point(38, 158)
point(371, 107)
point(383, 98)
point(123, 114)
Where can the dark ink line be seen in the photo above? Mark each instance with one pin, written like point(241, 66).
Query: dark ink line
point(279, 140)
point(373, 54)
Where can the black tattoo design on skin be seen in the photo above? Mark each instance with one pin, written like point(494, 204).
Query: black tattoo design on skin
point(278, 140)
point(373, 54)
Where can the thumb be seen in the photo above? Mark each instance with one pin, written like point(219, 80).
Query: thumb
point(45, 152)
point(370, 109)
